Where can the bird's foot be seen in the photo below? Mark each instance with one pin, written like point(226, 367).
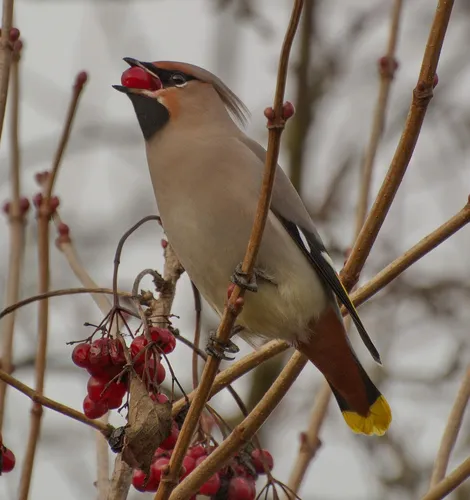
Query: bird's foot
point(218, 348)
point(242, 279)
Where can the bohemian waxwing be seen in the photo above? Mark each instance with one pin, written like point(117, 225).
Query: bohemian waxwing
point(206, 174)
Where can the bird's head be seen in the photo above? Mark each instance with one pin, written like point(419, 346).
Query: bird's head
point(165, 91)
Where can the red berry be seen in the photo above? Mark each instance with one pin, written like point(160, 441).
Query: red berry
point(152, 371)
point(159, 452)
point(259, 457)
point(138, 78)
point(116, 390)
point(170, 441)
point(189, 464)
point(80, 355)
point(94, 409)
point(8, 460)
point(106, 372)
point(164, 339)
point(240, 470)
point(159, 398)
point(138, 345)
point(197, 451)
point(241, 488)
point(157, 467)
point(99, 353)
point(199, 460)
point(138, 479)
point(140, 483)
point(114, 402)
point(211, 486)
point(116, 352)
point(95, 388)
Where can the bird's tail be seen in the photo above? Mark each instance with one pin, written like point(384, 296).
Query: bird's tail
point(364, 408)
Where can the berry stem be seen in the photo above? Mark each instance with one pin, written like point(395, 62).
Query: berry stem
point(77, 91)
point(378, 123)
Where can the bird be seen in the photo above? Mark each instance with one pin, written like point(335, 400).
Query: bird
point(207, 174)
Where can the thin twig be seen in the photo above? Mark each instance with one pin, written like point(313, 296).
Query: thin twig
point(243, 432)
point(43, 217)
point(417, 252)
point(41, 400)
point(422, 94)
point(80, 81)
point(17, 221)
point(310, 441)
point(102, 462)
point(60, 293)
point(386, 72)
point(122, 241)
point(450, 482)
point(451, 432)
point(171, 475)
point(5, 57)
point(306, 97)
point(67, 247)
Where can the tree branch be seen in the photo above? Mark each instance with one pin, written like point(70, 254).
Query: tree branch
point(422, 94)
point(451, 432)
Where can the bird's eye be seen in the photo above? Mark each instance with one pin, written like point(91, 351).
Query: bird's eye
point(179, 80)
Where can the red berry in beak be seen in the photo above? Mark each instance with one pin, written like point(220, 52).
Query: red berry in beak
point(138, 78)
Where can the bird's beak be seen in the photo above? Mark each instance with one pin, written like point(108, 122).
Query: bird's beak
point(148, 68)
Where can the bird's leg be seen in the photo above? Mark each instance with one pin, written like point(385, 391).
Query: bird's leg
point(241, 279)
point(217, 348)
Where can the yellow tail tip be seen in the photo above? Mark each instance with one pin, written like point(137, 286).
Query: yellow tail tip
point(376, 422)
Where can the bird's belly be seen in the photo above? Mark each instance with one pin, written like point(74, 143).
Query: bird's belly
point(281, 309)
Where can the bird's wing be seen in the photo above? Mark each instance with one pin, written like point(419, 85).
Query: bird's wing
point(287, 205)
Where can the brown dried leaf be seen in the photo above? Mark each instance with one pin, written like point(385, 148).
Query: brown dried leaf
point(149, 424)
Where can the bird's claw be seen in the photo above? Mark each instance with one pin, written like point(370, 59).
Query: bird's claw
point(218, 348)
point(240, 278)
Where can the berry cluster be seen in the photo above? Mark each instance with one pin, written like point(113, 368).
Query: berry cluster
point(104, 360)
point(234, 482)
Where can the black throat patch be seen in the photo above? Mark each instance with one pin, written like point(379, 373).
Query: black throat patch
point(152, 115)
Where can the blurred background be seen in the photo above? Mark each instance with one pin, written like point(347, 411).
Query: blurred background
point(420, 322)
